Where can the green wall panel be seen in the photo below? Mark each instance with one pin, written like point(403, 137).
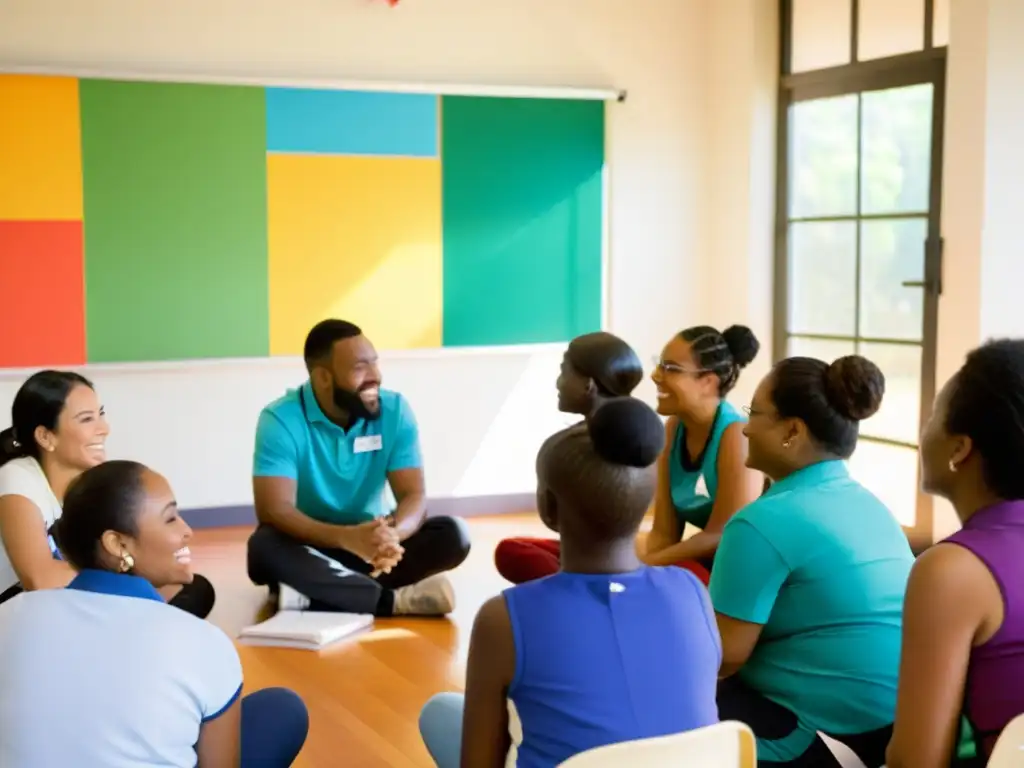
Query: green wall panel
point(176, 226)
point(523, 219)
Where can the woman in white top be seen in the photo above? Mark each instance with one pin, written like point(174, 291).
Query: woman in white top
point(124, 680)
point(59, 430)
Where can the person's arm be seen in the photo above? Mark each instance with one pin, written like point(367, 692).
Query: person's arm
point(737, 486)
point(220, 739)
point(275, 473)
point(489, 673)
point(220, 732)
point(405, 475)
point(666, 530)
point(745, 582)
point(27, 544)
point(952, 602)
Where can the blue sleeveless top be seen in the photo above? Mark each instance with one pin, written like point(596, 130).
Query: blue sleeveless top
point(585, 645)
point(694, 485)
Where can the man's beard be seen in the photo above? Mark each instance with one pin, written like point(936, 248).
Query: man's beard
point(353, 404)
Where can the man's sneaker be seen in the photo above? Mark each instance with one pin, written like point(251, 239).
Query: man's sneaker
point(433, 596)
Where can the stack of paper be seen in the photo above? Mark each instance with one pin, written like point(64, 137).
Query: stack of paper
point(310, 630)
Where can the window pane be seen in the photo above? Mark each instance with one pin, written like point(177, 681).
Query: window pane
point(823, 277)
point(940, 24)
point(889, 28)
point(891, 252)
point(889, 472)
point(900, 414)
point(823, 157)
point(818, 348)
point(897, 149)
point(820, 34)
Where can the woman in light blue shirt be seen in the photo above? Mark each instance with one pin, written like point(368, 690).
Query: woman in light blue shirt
point(809, 579)
point(138, 682)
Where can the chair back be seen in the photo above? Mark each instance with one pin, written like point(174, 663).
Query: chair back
point(1009, 749)
point(723, 745)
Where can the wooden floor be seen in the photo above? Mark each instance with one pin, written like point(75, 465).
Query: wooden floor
point(365, 695)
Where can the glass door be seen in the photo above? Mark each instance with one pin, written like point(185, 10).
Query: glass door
point(861, 248)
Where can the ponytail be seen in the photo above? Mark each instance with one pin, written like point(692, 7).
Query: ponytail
point(10, 447)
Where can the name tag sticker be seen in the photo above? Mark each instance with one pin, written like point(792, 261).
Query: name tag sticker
point(367, 443)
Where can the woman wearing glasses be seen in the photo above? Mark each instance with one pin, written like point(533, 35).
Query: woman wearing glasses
point(703, 479)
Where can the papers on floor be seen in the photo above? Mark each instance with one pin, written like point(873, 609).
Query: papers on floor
point(309, 630)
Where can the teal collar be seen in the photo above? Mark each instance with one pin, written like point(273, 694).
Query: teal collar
point(310, 407)
point(823, 471)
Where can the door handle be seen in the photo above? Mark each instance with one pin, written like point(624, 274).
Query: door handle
point(932, 268)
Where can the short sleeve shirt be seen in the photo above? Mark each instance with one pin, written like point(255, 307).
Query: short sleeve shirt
point(340, 474)
point(24, 477)
point(105, 674)
point(823, 565)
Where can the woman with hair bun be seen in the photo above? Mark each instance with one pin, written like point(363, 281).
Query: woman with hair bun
point(103, 673)
point(809, 579)
point(703, 479)
point(597, 367)
point(573, 651)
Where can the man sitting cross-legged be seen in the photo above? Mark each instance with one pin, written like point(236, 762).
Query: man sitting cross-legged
point(323, 454)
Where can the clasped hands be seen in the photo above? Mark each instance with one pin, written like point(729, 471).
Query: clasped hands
point(378, 544)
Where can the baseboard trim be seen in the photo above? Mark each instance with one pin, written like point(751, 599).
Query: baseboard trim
point(451, 506)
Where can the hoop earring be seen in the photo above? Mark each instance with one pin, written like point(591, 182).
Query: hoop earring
point(952, 466)
point(127, 562)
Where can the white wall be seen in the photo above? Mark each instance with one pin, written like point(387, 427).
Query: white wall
point(690, 154)
point(983, 186)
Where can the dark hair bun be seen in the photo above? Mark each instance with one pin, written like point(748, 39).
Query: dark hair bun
point(627, 432)
point(743, 344)
point(854, 387)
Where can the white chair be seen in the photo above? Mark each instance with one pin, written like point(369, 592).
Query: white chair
point(1009, 749)
point(723, 745)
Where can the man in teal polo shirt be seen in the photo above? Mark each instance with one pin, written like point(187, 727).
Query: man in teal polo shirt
point(323, 457)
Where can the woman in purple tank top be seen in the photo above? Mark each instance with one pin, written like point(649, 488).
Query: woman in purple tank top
point(963, 624)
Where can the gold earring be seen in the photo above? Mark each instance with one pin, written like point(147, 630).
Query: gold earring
point(786, 443)
point(127, 562)
point(952, 466)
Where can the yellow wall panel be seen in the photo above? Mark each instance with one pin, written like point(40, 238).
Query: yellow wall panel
point(357, 238)
point(40, 148)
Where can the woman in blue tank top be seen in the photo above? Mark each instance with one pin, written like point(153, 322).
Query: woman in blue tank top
point(963, 617)
point(703, 479)
point(573, 650)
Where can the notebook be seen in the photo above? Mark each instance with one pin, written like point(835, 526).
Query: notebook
point(309, 630)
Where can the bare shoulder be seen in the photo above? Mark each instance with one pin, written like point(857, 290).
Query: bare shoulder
point(492, 619)
point(949, 570)
point(733, 438)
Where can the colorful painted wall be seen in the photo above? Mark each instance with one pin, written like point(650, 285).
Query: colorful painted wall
point(162, 221)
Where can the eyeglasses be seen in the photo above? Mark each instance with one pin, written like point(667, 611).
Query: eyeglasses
point(667, 367)
point(751, 411)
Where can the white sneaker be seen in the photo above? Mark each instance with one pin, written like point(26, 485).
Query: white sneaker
point(289, 599)
point(433, 596)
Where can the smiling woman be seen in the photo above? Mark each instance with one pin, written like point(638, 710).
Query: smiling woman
point(59, 430)
point(122, 533)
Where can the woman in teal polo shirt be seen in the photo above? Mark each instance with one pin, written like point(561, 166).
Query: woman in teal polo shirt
point(809, 579)
point(702, 476)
